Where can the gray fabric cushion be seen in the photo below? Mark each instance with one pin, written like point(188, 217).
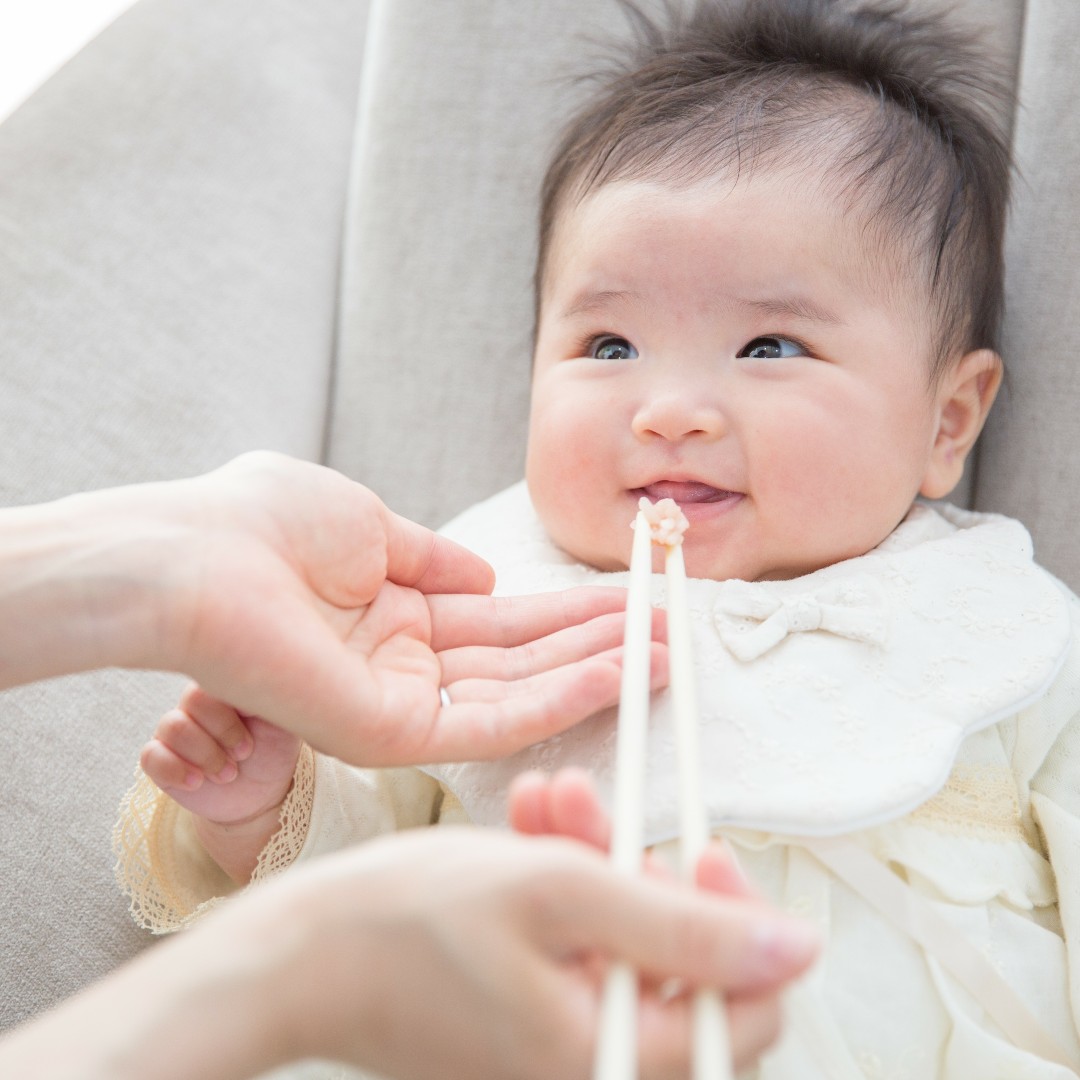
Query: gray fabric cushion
point(1030, 461)
point(171, 206)
point(457, 121)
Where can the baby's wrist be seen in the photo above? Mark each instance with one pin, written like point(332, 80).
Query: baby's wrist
point(236, 845)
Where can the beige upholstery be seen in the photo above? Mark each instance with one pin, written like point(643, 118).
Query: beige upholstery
point(188, 269)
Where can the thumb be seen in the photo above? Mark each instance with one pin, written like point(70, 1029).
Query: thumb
point(421, 559)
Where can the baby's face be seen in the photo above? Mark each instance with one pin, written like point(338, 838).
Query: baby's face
point(742, 350)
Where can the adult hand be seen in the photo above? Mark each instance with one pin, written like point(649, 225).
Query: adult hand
point(511, 936)
point(294, 594)
point(443, 953)
point(566, 804)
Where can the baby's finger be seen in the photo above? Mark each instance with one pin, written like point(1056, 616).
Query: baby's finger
point(219, 720)
point(516, 620)
point(167, 769)
point(189, 740)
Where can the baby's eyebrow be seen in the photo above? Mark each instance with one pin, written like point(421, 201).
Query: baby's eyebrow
point(798, 307)
point(589, 301)
point(599, 299)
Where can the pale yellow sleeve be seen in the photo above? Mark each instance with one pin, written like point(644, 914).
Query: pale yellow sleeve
point(1055, 807)
point(171, 880)
point(347, 805)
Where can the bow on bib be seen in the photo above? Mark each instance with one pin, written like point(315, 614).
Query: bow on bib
point(751, 618)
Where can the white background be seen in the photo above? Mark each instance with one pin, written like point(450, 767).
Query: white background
point(38, 36)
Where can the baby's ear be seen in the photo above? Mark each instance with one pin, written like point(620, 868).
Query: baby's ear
point(963, 399)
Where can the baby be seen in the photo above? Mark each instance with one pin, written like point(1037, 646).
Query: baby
point(769, 288)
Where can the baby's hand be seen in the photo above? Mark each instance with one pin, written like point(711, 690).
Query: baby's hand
point(221, 765)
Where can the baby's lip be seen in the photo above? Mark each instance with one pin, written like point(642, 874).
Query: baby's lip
point(684, 492)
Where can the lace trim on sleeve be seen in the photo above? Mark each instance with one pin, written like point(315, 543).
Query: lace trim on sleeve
point(160, 866)
point(283, 848)
point(147, 866)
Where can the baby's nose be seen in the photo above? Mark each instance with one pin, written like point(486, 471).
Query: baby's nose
point(676, 415)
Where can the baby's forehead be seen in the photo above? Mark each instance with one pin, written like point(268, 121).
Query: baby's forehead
point(803, 215)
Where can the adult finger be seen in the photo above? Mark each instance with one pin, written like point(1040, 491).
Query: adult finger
point(718, 871)
point(665, 1033)
point(507, 621)
point(565, 804)
point(424, 560)
point(528, 804)
point(665, 929)
point(576, 809)
point(520, 661)
point(490, 718)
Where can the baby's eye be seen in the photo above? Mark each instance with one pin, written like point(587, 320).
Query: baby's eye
point(771, 348)
point(610, 347)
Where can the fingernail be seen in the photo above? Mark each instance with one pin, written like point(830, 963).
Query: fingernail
point(781, 945)
point(242, 750)
point(227, 773)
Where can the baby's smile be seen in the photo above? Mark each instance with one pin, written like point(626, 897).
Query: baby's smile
point(684, 492)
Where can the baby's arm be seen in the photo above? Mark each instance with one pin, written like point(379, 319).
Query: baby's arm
point(231, 771)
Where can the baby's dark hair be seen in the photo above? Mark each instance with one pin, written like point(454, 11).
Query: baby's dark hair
point(896, 107)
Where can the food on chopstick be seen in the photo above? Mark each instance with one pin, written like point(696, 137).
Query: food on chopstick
point(666, 521)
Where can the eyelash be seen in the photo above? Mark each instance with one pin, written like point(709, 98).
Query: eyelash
point(586, 342)
point(804, 349)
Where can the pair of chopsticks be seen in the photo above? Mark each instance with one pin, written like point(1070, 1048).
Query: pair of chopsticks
point(616, 1056)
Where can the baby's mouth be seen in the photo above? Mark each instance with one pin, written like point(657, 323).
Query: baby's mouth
point(684, 492)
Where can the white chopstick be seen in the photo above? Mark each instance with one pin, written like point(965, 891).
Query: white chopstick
point(616, 1045)
point(712, 1041)
point(616, 1053)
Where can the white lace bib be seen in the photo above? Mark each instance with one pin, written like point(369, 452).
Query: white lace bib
point(830, 702)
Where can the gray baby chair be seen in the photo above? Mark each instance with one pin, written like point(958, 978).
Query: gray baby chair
point(307, 225)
